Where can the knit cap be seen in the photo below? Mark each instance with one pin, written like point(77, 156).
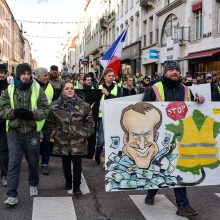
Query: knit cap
point(21, 68)
point(171, 64)
point(3, 67)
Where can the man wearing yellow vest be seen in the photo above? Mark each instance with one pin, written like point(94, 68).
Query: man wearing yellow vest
point(42, 77)
point(24, 106)
point(56, 81)
point(169, 88)
point(109, 91)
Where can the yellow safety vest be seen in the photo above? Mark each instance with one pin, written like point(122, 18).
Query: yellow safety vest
point(219, 89)
point(197, 147)
point(119, 83)
point(159, 92)
point(76, 84)
point(49, 93)
point(136, 79)
point(114, 92)
point(35, 92)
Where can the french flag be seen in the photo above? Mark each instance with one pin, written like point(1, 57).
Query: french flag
point(112, 58)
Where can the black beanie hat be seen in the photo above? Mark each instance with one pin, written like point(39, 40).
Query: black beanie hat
point(171, 64)
point(3, 67)
point(22, 68)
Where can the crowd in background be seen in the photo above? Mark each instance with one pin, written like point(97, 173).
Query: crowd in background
point(138, 84)
point(24, 103)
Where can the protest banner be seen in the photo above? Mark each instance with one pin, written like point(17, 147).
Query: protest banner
point(161, 144)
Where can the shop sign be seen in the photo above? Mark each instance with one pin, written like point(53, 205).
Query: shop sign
point(153, 54)
point(84, 61)
point(207, 35)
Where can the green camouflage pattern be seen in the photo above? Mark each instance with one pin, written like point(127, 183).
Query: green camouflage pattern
point(70, 130)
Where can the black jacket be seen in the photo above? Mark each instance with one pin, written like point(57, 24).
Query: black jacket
point(127, 92)
point(109, 89)
point(3, 86)
point(173, 91)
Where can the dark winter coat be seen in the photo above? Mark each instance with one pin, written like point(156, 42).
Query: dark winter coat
point(173, 91)
point(3, 86)
point(70, 123)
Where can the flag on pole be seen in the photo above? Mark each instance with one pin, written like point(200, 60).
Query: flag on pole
point(112, 58)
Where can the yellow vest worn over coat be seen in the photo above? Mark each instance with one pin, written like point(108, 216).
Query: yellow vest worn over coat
point(114, 92)
point(35, 91)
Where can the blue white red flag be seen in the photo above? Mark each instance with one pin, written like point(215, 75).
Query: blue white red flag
point(112, 58)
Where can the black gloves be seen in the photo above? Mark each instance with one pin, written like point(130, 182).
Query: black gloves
point(23, 114)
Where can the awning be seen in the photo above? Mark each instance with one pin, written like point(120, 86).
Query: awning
point(207, 53)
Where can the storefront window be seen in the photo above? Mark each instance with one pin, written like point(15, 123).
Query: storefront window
point(206, 67)
point(198, 24)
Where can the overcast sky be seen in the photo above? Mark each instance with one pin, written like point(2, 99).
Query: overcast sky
point(47, 50)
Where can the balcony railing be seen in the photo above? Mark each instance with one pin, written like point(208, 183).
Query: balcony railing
point(104, 22)
point(147, 3)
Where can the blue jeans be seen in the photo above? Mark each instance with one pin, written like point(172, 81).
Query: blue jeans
point(45, 150)
point(180, 194)
point(101, 140)
point(19, 144)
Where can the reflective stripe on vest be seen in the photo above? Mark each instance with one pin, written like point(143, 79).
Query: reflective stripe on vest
point(114, 92)
point(197, 147)
point(49, 93)
point(35, 92)
point(159, 92)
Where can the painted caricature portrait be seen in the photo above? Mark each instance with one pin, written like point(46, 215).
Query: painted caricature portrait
point(140, 123)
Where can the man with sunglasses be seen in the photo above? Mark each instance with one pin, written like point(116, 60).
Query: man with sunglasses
point(143, 85)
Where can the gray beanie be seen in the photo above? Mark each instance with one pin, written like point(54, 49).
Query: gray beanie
point(171, 64)
point(22, 68)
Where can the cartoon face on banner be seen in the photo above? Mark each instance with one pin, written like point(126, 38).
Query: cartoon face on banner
point(156, 145)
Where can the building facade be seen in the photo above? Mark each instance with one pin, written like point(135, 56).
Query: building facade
point(158, 30)
point(128, 15)
point(187, 31)
point(14, 48)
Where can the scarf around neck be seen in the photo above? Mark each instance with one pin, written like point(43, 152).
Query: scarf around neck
point(67, 104)
point(23, 86)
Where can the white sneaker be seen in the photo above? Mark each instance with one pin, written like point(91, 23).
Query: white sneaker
point(33, 191)
point(11, 201)
point(70, 192)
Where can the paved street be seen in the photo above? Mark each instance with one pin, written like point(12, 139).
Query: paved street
point(55, 203)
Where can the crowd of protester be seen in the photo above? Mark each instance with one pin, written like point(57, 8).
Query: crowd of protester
point(64, 108)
